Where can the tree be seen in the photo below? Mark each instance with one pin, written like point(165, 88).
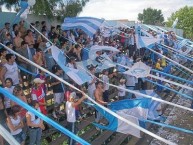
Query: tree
point(185, 20)
point(151, 16)
point(50, 8)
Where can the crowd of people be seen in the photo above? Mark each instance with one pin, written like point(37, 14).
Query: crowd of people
point(33, 46)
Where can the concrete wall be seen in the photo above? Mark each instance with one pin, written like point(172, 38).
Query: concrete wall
point(9, 17)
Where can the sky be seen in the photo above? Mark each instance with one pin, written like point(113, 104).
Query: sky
point(129, 9)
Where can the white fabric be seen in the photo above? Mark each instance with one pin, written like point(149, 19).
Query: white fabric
point(139, 70)
point(120, 91)
point(70, 65)
point(105, 79)
point(12, 72)
point(70, 112)
point(15, 123)
point(7, 101)
point(128, 129)
point(33, 119)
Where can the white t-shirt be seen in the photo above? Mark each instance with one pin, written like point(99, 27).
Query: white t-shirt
point(120, 91)
point(12, 72)
point(70, 112)
point(7, 101)
point(33, 118)
point(105, 79)
point(16, 123)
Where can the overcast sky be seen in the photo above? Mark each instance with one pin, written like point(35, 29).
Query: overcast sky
point(129, 9)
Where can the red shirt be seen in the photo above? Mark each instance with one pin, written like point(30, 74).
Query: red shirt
point(40, 97)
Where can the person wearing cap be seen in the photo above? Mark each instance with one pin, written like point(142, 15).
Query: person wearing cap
point(121, 92)
point(39, 94)
point(71, 115)
point(57, 86)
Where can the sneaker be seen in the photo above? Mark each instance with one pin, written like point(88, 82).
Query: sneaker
point(98, 129)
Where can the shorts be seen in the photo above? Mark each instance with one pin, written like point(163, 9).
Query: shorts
point(20, 137)
point(58, 98)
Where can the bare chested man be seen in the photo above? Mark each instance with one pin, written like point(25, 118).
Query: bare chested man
point(98, 94)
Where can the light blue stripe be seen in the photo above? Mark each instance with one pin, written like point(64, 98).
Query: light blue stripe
point(77, 27)
point(128, 104)
point(112, 121)
point(69, 20)
point(43, 117)
point(172, 76)
point(184, 95)
point(169, 126)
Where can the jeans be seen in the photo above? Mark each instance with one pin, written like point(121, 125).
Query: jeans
point(71, 126)
point(35, 136)
point(106, 96)
point(99, 116)
point(20, 137)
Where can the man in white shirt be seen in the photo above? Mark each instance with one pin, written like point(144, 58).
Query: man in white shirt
point(71, 115)
point(10, 70)
point(130, 84)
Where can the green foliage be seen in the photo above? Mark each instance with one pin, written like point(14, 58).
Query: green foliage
point(185, 20)
point(51, 8)
point(151, 16)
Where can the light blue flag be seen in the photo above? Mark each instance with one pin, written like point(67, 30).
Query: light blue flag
point(153, 114)
point(132, 110)
point(78, 76)
point(88, 24)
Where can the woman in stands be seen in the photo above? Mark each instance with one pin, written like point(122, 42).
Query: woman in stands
point(9, 87)
point(35, 125)
point(2, 116)
point(39, 94)
point(18, 92)
point(15, 124)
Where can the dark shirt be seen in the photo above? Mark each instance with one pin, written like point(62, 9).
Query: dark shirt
point(57, 88)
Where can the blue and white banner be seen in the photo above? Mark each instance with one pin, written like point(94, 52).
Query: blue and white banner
point(78, 76)
point(88, 24)
point(153, 114)
point(132, 110)
point(144, 39)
